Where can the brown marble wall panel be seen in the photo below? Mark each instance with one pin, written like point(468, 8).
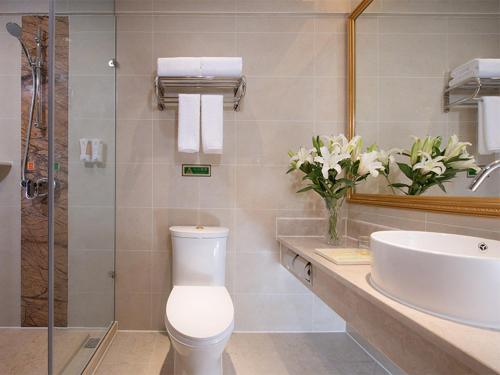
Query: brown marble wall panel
point(34, 223)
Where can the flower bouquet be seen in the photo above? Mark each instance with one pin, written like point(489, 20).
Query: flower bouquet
point(333, 166)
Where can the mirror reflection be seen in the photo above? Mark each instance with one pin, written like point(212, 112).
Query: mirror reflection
point(428, 94)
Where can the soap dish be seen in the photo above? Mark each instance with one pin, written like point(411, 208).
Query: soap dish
point(346, 256)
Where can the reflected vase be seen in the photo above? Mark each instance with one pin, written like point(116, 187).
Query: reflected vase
point(334, 235)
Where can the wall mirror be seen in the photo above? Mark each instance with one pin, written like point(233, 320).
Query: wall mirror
point(401, 55)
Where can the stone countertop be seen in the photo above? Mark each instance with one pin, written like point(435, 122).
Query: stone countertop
point(477, 347)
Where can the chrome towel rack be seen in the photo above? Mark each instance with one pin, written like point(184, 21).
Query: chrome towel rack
point(167, 89)
point(469, 92)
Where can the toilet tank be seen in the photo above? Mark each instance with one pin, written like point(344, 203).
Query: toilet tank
point(199, 255)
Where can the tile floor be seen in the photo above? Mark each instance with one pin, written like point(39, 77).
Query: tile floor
point(23, 351)
point(148, 353)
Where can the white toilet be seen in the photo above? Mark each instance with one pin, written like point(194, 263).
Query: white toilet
point(199, 313)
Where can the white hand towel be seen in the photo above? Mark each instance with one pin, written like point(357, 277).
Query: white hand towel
point(179, 67)
point(189, 123)
point(481, 140)
point(212, 119)
point(491, 122)
point(221, 66)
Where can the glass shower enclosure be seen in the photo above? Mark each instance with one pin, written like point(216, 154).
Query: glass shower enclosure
point(57, 183)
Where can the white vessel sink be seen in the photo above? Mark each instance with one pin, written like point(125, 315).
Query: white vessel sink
point(451, 276)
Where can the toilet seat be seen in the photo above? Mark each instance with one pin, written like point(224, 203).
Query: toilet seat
point(199, 315)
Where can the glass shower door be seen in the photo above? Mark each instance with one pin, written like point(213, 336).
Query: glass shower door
point(84, 173)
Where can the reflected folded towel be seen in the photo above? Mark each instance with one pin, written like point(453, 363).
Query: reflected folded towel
point(476, 68)
point(179, 66)
point(189, 123)
point(212, 123)
point(483, 68)
point(221, 66)
point(489, 125)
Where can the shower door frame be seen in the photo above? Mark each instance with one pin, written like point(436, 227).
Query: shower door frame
point(50, 163)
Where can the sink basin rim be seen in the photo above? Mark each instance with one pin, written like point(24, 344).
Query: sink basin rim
point(381, 236)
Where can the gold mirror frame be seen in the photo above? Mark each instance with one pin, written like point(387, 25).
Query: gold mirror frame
point(458, 205)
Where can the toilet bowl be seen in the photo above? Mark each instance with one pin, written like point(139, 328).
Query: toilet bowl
point(199, 315)
point(199, 321)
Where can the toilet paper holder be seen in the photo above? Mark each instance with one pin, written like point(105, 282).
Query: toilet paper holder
point(302, 268)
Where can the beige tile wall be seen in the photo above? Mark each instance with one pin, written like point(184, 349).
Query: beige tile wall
point(296, 78)
point(295, 66)
point(91, 187)
point(10, 201)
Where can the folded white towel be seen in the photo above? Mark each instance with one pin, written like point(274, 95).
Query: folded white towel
point(221, 66)
point(490, 124)
point(482, 68)
point(179, 66)
point(212, 120)
point(189, 123)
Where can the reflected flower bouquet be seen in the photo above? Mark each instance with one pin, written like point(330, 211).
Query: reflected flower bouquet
point(430, 164)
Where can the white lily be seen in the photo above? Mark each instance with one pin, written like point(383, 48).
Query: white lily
point(470, 163)
point(369, 164)
point(455, 148)
point(387, 157)
point(302, 156)
point(330, 160)
point(427, 164)
point(354, 147)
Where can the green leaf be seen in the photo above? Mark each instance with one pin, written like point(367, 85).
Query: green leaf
point(307, 188)
point(406, 169)
point(399, 185)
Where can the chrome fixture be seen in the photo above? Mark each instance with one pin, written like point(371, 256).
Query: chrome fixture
point(470, 92)
point(32, 188)
point(167, 89)
point(485, 172)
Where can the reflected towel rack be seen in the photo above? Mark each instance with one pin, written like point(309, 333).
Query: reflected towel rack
point(469, 92)
point(167, 89)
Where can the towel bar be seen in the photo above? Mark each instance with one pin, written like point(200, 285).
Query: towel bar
point(470, 92)
point(167, 89)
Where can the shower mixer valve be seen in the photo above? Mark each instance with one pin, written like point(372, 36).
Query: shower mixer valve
point(36, 188)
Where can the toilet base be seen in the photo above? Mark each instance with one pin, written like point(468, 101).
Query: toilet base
point(198, 360)
point(194, 365)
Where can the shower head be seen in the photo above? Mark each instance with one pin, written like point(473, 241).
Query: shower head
point(14, 29)
point(17, 32)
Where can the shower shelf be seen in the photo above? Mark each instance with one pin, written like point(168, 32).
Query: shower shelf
point(5, 167)
point(167, 89)
point(468, 93)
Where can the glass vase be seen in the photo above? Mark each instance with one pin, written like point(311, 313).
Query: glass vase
point(334, 235)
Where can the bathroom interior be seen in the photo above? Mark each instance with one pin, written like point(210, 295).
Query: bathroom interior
point(163, 209)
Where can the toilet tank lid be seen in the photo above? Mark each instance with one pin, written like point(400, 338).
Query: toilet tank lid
point(199, 232)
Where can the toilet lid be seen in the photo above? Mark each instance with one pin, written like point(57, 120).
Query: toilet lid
point(200, 312)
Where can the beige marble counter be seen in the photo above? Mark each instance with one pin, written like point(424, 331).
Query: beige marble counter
point(476, 348)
